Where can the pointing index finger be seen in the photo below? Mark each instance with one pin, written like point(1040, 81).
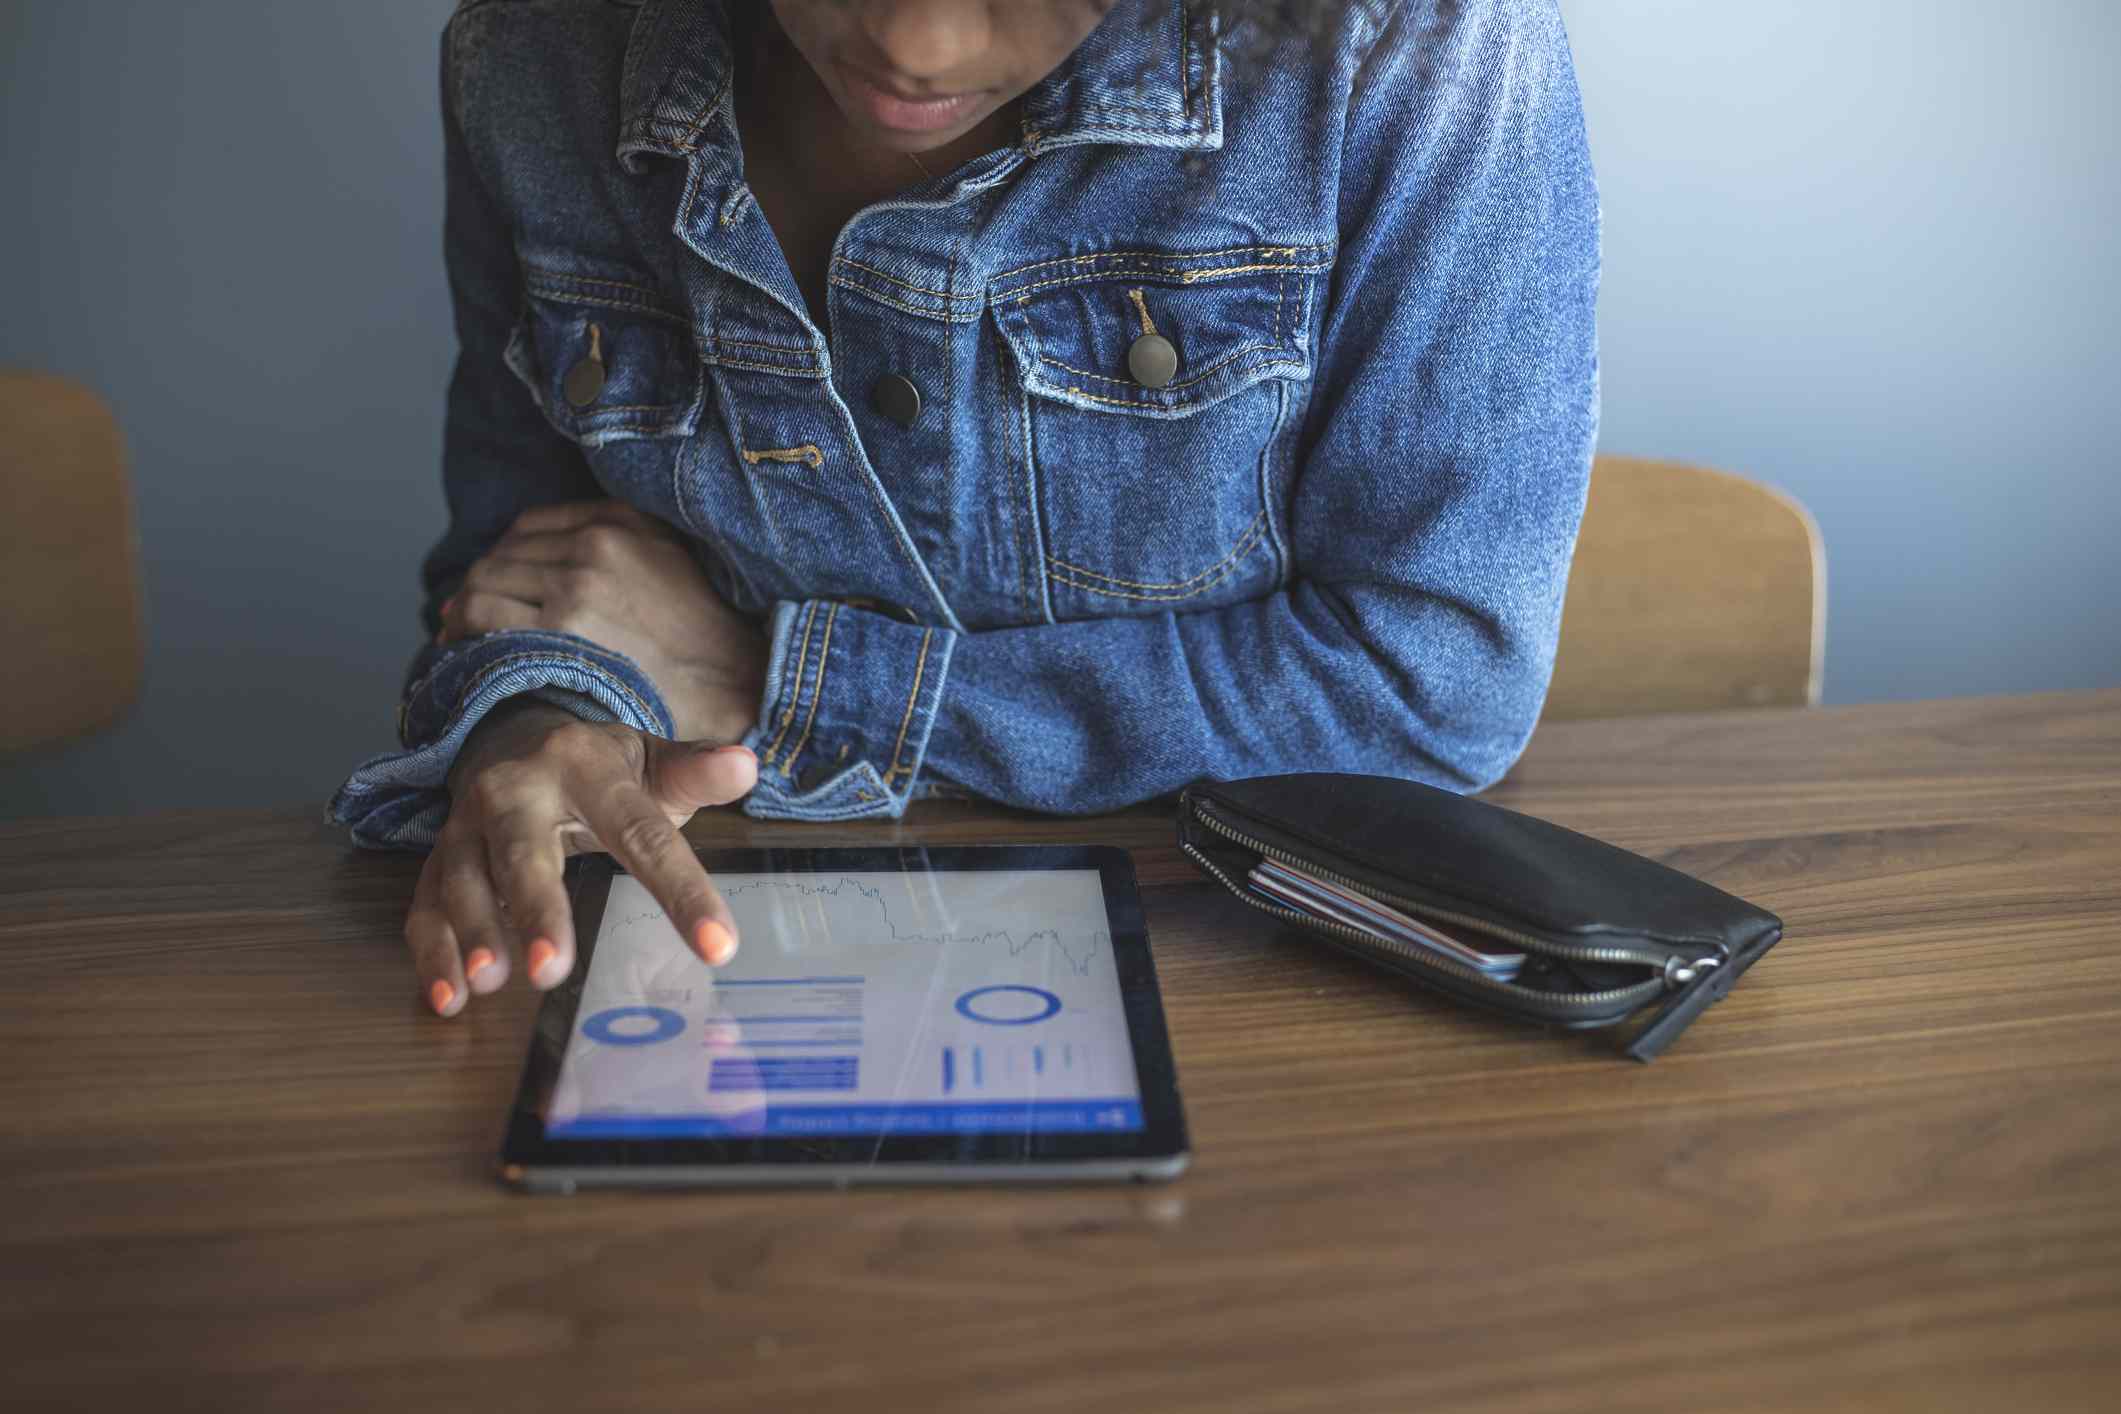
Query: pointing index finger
point(640, 836)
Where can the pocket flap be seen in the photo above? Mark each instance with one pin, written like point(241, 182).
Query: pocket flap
point(1159, 335)
point(605, 354)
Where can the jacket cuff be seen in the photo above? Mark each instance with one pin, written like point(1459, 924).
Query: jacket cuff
point(400, 800)
point(850, 698)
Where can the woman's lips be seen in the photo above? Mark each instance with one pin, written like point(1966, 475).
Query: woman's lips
point(908, 115)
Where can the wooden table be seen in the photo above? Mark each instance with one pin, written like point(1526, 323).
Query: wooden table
point(241, 1169)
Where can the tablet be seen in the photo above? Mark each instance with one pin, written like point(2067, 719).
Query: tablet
point(958, 1015)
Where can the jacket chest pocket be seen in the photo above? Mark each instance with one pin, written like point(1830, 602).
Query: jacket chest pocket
point(1151, 394)
point(612, 364)
point(608, 359)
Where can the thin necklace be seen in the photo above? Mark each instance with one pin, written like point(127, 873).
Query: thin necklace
point(914, 158)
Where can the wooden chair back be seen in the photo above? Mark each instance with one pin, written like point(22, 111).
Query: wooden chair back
point(69, 578)
point(1693, 590)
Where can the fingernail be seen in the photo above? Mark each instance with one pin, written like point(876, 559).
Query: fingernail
point(479, 961)
point(717, 944)
point(441, 994)
point(540, 957)
point(724, 750)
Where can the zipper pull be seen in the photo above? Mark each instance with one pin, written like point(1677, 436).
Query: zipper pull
point(1702, 983)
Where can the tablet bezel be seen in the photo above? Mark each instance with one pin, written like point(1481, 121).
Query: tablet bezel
point(533, 1161)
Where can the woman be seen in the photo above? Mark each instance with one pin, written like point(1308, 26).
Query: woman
point(1054, 401)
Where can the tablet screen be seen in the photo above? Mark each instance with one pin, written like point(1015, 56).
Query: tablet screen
point(942, 1002)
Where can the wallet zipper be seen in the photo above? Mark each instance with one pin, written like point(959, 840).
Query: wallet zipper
point(1421, 958)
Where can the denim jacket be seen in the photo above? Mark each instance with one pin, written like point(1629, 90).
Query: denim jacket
point(1334, 536)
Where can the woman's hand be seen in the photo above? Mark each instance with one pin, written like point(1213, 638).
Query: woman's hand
point(605, 572)
point(533, 785)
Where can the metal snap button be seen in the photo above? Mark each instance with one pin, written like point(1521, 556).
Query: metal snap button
point(1153, 360)
point(895, 397)
point(584, 382)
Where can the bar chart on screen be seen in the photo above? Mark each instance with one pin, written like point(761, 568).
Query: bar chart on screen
point(925, 1001)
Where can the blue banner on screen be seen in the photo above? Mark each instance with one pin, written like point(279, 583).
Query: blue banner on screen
point(1044, 1117)
point(859, 1004)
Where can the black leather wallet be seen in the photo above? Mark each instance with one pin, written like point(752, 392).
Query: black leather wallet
point(1604, 935)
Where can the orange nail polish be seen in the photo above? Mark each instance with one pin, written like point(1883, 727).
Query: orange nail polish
point(479, 961)
point(441, 994)
point(541, 954)
point(716, 943)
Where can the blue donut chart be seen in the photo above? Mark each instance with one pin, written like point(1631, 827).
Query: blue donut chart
point(599, 1027)
point(1051, 1005)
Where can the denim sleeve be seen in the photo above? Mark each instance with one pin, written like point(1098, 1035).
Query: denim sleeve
point(499, 457)
point(1444, 465)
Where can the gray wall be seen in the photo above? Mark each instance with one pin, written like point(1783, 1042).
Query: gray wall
point(1865, 251)
point(1861, 251)
point(226, 218)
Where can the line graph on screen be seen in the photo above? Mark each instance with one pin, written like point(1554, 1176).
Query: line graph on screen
point(868, 913)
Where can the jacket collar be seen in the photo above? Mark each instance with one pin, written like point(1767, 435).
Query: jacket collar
point(1149, 75)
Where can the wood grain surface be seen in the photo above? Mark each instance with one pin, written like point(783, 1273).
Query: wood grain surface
point(240, 1168)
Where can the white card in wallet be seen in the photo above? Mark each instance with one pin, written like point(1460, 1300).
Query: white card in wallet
point(1294, 888)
